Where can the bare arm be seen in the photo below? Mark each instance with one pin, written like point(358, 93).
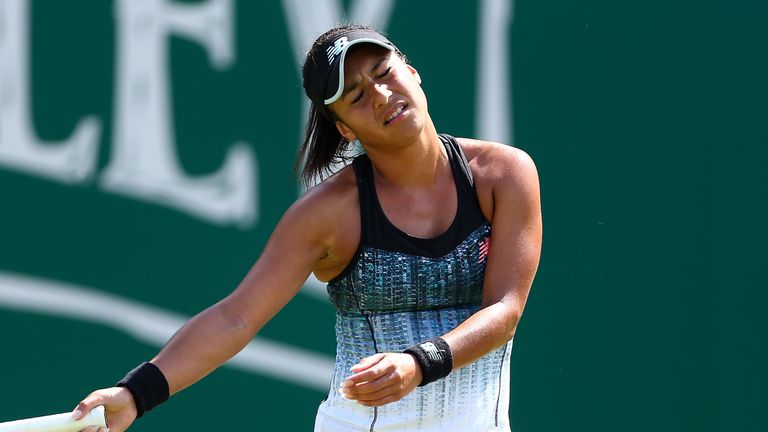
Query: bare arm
point(516, 232)
point(210, 338)
point(221, 331)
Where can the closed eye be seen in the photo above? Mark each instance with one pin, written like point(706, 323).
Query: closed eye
point(360, 95)
point(386, 71)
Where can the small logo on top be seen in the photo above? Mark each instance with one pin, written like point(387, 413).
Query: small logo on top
point(485, 247)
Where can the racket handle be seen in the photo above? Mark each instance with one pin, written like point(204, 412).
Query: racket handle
point(57, 422)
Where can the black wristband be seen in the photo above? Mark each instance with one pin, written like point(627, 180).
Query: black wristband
point(434, 357)
point(148, 386)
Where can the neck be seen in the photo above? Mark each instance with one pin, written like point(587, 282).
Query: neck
point(419, 162)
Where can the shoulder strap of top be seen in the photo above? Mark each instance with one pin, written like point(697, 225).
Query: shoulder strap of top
point(469, 205)
point(457, 157)
point(465, 182)
point(367, 193)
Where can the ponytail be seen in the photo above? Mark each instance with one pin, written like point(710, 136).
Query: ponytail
point(323, 147)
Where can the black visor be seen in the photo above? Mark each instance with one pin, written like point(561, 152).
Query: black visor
point(326, 74)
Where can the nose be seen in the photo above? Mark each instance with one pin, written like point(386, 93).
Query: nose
point(381, 94)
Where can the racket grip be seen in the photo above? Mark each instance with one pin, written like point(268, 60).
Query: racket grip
point(57, 422)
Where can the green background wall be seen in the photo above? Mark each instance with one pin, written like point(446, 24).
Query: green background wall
point(647, 121)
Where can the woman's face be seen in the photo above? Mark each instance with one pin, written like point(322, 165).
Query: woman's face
point(382, 102)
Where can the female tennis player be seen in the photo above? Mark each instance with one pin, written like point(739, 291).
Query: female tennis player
point(429, 244)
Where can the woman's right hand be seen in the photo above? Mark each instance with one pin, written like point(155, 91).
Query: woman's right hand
point(119, 408)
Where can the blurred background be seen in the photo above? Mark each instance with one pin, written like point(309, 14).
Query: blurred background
point(146, 149)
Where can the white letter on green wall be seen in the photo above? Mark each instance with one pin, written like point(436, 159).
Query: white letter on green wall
point(70, 161)
point(144, 161)
point(493, 115)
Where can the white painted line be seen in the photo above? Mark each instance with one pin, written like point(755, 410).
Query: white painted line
point(154, 326)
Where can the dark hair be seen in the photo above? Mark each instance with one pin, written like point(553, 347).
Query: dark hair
point(323, 145)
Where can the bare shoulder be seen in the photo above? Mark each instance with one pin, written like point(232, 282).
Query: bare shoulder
point(328, 216)
point(329, 199)
point(493, 160)
point(501, 173)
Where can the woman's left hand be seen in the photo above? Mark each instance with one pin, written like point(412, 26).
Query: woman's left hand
point(382, 378)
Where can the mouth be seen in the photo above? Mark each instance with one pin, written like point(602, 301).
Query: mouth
point(396, 114)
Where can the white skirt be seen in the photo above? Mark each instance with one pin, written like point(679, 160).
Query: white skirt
point(474, 398)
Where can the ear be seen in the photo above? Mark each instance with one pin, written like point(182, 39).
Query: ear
point(345, 131)
point(414, 72)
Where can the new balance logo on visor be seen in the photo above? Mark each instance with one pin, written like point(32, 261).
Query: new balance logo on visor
point(336, 48)
point(433, 353)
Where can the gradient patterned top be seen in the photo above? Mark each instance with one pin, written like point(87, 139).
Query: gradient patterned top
point(401, 290)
